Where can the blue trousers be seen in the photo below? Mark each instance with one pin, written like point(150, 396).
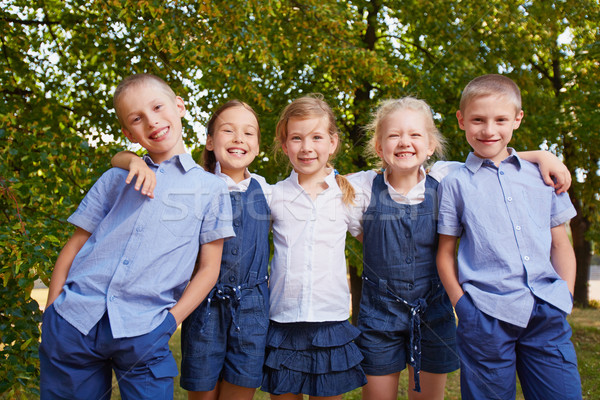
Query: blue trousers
point(492, 350)
point(77, 366)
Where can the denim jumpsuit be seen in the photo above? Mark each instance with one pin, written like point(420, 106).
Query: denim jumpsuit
point(405, 314)
point(225, 336)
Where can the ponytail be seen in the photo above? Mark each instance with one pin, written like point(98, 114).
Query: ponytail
point(348, 192)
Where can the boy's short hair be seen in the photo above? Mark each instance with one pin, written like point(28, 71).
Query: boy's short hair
point(491, 84)
point(136, 80)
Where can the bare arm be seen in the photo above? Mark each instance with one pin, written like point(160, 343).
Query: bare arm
point(563, 256)
point(447, 268)
point(206, 275)
point(145, 177)
point(63, 263)
point(550, 166)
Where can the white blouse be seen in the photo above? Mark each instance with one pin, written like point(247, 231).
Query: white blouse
point(308, 272)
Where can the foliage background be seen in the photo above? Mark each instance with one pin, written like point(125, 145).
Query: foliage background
point(61, 60)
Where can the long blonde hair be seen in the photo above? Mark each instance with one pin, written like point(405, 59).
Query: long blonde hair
point(311, 106)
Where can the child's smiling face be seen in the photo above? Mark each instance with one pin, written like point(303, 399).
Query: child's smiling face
point(309, 145)
point(488, 122)
point(152, 117)
point(404, 143)
point(235, 140)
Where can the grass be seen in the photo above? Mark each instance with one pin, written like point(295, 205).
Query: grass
point(586, 338)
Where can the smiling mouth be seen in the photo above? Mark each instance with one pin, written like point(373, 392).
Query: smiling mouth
point(237, 151)
point(404, 155)
point(160, 133)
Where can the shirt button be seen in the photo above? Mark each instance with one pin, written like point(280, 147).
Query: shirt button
point(407, 234)
point(526, 258)
point(518, 227)
point(509, 198)
point(125, 262)
point(162, 170)
point(231, 278)
point(234, 251)
point(236, 223)
point(139, 229)
point(501, 172)
point(112, 298)
point(408, 260)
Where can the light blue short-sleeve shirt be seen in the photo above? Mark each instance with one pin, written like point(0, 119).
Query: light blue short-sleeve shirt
point(142, 251)
point(503, 216)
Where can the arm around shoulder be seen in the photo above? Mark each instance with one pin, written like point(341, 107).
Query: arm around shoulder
point(63, 263)
point(550, 167)
point(137, 167)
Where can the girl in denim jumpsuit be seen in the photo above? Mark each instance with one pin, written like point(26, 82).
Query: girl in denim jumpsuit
point(405, 315)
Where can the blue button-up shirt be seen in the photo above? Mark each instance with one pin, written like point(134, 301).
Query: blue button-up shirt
point(503, 216)
point(142, 251)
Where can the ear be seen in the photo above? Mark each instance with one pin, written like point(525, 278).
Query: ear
point(209, 144)
point(334, 143)
point(518, 119)
point(129, 136)
point(284, 148)
point(378, 149)
point(180, 104)
point(461, 120)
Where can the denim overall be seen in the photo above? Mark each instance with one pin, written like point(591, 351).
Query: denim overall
point(234, 317)
point(402, 296)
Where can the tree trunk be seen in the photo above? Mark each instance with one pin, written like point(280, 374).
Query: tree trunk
point(583, 252)
point(356, 290)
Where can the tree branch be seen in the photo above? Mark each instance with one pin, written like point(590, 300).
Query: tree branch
point(427, 53)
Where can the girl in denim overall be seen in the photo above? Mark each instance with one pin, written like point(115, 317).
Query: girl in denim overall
point(405, 315)
point(223, 340)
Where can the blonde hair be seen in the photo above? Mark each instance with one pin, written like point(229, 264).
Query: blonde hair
point(390, 106)
point(209, 161)
point(138, 80)
point(312, 106)
point(491, 84)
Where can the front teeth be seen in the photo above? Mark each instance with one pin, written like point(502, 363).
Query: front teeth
point(160, 134)
point(237, 151)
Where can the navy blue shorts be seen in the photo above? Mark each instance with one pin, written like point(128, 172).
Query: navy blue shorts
point(313, 358)
point(77, 366)
point(385, 329)
point(492, 350)
point(213, 348)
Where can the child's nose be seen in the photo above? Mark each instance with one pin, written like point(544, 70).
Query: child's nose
point(238, 137)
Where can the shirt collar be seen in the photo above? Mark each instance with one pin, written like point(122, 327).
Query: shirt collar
point(473, 163)
point(231, 184)
point(329, 179)
point(185, 160)
point(416, 194)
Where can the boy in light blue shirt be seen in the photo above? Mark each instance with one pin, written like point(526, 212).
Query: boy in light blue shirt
point(513, 285)
point(121, 284)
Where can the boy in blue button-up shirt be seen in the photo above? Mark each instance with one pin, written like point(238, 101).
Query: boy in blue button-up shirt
point(121, 284)
point(516, 267)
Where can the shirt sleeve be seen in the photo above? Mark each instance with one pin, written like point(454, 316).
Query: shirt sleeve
point(217, 222)
point(99, 200)
point(441, 169)
point(562, 209)
point(449, 208)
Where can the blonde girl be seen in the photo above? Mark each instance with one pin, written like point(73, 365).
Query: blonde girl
point(310, 348)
